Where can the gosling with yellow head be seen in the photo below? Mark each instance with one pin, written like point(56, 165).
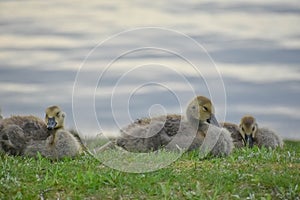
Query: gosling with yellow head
point(199, 130)
point(61, 143)
point(249, 134)
point(253, 135)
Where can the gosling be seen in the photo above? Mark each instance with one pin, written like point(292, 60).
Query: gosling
point(253, 135)
point(173, 132)
point(61, 143)
point(247, 133)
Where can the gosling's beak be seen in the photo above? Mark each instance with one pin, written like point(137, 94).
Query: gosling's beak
point(212, 120)
point(249, 141)
point(51, 123)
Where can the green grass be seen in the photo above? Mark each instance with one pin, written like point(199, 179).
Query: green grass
point(246, 174)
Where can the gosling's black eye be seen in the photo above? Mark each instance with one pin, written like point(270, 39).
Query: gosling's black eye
point(205, 108)
point(193, 107)
point(253, 128)
point(57, 114)
point(243, 129)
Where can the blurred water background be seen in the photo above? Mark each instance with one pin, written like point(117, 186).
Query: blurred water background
point(255, 46)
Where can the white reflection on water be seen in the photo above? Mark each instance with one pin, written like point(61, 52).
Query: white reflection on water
point(261, 74)
point(256, 46)
point(283, 111)
point(20, 88)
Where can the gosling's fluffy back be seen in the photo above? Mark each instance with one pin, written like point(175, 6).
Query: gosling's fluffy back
point(17, 131)
point(33, 127)
point(268, 138)
point(146, 134)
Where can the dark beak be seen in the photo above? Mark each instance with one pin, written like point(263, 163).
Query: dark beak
point(51, 123)
point(249, 141)
point(212, 120)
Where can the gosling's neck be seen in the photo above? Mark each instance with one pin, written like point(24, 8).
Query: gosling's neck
point(56, 129)
point(53, 132)
point(197, 124)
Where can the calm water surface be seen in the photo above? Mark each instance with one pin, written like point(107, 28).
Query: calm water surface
point(244, 55)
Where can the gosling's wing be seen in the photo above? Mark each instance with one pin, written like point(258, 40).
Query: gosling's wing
point(140, 138)
point(148, 134)
point(172, 124)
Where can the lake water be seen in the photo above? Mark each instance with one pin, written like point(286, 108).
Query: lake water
point(107, 63)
